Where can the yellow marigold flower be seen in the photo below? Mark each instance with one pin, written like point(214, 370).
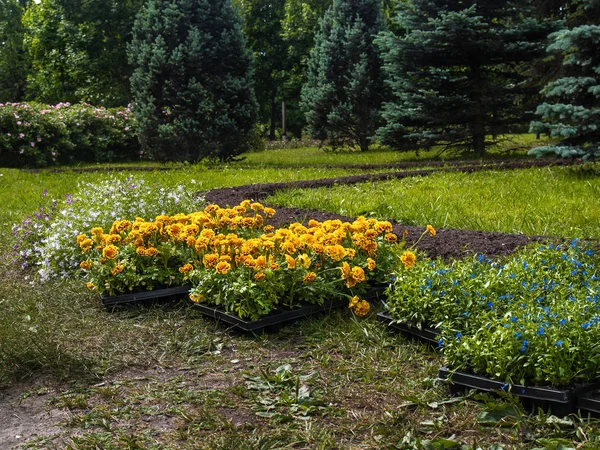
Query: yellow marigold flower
point(269, 212)
point(335, 252)
point(247, 222)
point(186, 268)
point(431, 230)
point(117, 270)
point(287, 247)
point(358, 274)
point(362, 308)
point(371, 234)
point(268, 229)
point(196, 298)
point(112, 238)
point(210, 260)
point(350, 253)
point(274, 266)
point(304, 259)
point(81, 238)
point(391, 237)
point(85, 265)
point(257, 206)
point(309, 277)
point(97, 230)
point(383, 226)
point(318, 248)
point(291, 262)
point(223, 267)
point(408, 258)
point(110, 252)
point(371, 264)
point(346, 271)
point(151, 251)
point(86, 244)
point(226, 258)
point(190, 241)
point(314, 223)
point(245, 204)
point(261, 262)
point(211, 208)
point(353, 302)
point(90, 285)
point(259, 276)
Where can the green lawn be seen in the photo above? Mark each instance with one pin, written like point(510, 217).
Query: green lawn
point(548, 201)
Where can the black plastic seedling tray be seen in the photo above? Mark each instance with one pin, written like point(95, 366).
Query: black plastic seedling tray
point(271, 322)
point(171, 293)
point(424, 334)
point(560, 402)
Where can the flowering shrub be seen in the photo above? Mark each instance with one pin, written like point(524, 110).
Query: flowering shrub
point(529, 318)
point(46, 240)
point(37, 135)
point(234, 259)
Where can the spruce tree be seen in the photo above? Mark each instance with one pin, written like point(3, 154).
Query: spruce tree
point(344, 89)
point(457, 72)
point(571, 112)
point(192, 86)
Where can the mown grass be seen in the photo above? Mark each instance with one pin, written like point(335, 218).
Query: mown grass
point(509, 147)
point(555, 201)
point(163, 377)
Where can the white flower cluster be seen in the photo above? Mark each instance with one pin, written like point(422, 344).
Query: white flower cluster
point(99, 204)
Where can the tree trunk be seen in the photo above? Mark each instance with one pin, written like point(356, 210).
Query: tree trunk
point(273, 115)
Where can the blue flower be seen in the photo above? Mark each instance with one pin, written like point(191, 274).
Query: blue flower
point(441, 343)
point(458, 335)
point(518, 334)
point(514, 319)
point(562, 321)
point(559, 343)
point(540, 331)
point(524, 346)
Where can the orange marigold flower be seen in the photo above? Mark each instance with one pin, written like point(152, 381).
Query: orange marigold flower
point(268, 229)
point(261, 262)
point(353, 302)
point(90, 285)
point(85, 265)
point(346, 271)
point(110, 252)
point(309, 277)
point(186, 268)
point(269, 212)
point(117, 270)
point(223, 267)
point(151, 251)
point(259, 276)
point(112, 238)
point(431, 230)
point(408, 258)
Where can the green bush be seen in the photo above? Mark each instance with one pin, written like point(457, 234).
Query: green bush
point(38, 135)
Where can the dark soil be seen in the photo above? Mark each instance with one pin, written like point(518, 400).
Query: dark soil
point(448, 243)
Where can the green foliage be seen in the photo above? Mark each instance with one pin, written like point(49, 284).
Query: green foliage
point(38, 135)
point(457, 72)
point(13, 61)
point(344, 87)
point(78, 50)
point(192, 85)
point(531, 318)
point(572, 110)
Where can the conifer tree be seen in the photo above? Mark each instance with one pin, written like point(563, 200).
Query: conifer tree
point(13, 61)
point(458, 72)
point(192, 86)
point(344, 89)
point(571, 112)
